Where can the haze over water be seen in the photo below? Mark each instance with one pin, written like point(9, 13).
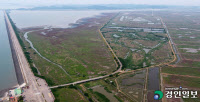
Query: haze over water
point(7, 71)
point(56, 19)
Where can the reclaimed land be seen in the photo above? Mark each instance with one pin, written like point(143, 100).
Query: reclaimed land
point(185, 34)
point(80, 51)
point(137, 43)
point(18, 72)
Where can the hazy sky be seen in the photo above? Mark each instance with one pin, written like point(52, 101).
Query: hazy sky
point(30, 3)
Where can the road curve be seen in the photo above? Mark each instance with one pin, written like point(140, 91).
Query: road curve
point(100, 77)
point(31, 44)
point(178, 59)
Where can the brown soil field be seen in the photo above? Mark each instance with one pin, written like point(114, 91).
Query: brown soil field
point(163, 54)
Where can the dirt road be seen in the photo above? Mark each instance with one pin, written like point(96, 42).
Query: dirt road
point(100, 77)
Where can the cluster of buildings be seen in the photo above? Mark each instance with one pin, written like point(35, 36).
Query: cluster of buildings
point(12, 95)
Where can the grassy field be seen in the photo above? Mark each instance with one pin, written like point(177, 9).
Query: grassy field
point(107, 89)
point(182, 71)
point(190, 63)
point(185, 34)
point(80, 51)
point(83, 54)
point(138, 39)
point(68, 95)
point(100, 90)
point(182, 81)
point(52, 73)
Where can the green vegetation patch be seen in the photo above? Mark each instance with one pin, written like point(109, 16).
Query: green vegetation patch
point(28, 54)
point(182, 81)
point(102, 97)
point(68, 95)
point(190, 63)
point(80, 51)
point(135, 41)
point(182, 71)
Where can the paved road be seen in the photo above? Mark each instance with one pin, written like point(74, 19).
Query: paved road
point(33, 94)
point(119, 70)
point(173, 45)
point(83, 81)
point(100, 77)
point(177, 61)
point(175, 52)
point(45, 90)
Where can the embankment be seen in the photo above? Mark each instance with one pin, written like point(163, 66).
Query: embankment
point(18, 72)
point(15, 54)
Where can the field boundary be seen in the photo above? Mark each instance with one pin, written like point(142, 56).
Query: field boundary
point(119, 64)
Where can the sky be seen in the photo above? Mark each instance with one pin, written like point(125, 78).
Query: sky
point(33, 3)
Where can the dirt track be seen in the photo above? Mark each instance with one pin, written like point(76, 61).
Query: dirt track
point(100, 77)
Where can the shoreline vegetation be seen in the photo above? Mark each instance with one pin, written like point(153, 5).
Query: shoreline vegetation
point(18, 72)
point(55, 58)
point(57, 90)
point(27, 54)
point(30, 60)
point(32, 46)
point(133, 84)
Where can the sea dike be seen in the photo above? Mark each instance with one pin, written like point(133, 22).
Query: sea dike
point(19, 75)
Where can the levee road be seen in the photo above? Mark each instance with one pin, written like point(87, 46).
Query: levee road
point(34, 92)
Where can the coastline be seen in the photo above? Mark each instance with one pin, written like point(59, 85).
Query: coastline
point(4, 92)
point(30, 93)
point(18, 72)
